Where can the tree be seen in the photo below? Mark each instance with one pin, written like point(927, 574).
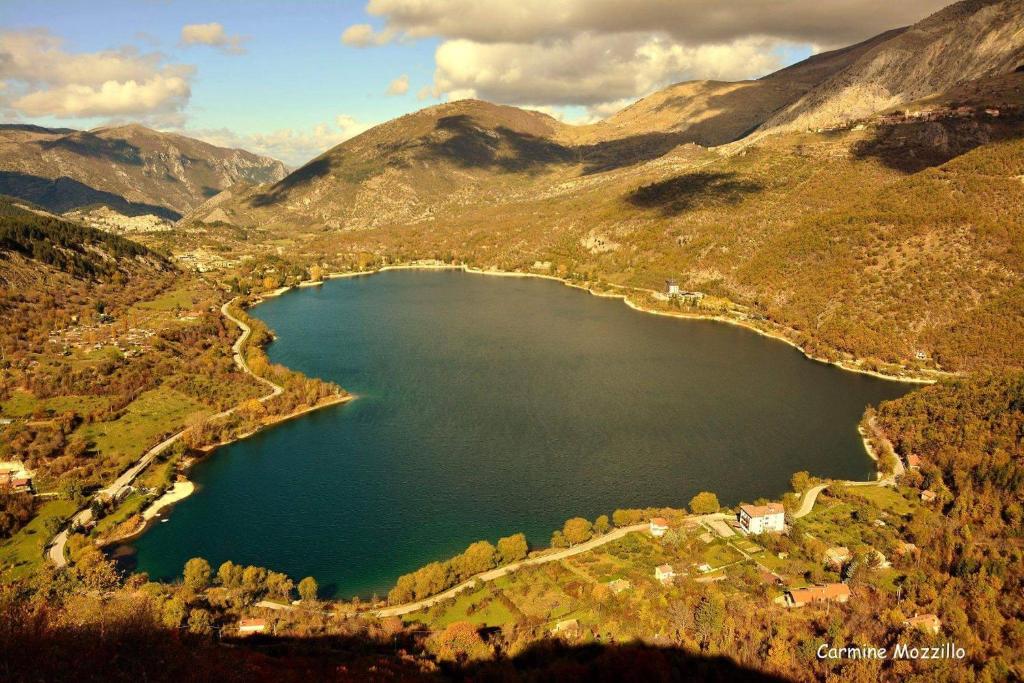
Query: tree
point(708, 618)
point(602, 525)
point(308, 589)
point(230, 574)
point(460, 642)
point(71, 489)
point(513, 548)
point(577, 530)
point(279, 585)
point(197, 574)
point(478, 557)
point(801, 481)
point(199, 621)
point(254, 579)
point(704, 503)
point(621, 518)
point(173, 613)
point(558, 540)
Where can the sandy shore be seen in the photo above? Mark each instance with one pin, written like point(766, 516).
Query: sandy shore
point(624, 295)
point(179, 492)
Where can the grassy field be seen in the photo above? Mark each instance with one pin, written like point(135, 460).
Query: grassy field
point(21, 554)
point(156, 412)
point(23, 404)
point(900, 502)
point(182, 297)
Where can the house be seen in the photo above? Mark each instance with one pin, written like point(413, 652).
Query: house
point(659, 526)
point(566, 627)
point(837, 556)
point(928, 496)
point(619, 585)
point(671, 288)
point(829, 592)
point(925, 622)
point(665, 573)
point(14, 477)
point(704, 568)
point(761, 519)
point(247, 627)
point(913, 461)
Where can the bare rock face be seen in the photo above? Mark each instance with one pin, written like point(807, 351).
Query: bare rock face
point(964, 42)
point(130, 169)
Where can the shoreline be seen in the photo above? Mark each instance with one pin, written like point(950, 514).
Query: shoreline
point(185, 487)
point(168, 500)
point(924, 379)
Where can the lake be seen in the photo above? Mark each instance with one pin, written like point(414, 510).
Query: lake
point(488, 406)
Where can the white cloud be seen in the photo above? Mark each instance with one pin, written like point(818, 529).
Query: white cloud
point(212, 34)
point(598, 52)
point(363, 35)
point(423, 93)
point(399, 86)
point(109, 99)
point(45, 80)
point(590, 69)
point(292, 146)
point(837, 22)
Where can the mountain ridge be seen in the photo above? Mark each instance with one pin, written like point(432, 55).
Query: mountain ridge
point(164, 174)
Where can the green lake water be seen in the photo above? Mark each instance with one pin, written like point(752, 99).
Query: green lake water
point(489, 406)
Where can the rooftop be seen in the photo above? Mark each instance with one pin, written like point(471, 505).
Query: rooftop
point(763, 510)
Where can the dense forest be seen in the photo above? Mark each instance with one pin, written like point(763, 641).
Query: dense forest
point(75, 249)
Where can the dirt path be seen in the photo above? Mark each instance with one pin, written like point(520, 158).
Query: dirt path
point(556, 556)
point(614, 535)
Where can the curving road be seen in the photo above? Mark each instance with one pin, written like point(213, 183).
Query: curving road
point(55, 551)
point(811, 495)
point(613, 535)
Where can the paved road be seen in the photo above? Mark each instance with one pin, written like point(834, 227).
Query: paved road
point(811, 495)
point(55, 551)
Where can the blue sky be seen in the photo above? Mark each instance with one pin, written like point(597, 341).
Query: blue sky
point(293, 78)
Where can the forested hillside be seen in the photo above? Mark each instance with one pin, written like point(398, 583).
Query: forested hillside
point(74, 249)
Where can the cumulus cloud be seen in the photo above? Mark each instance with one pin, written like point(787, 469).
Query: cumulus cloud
point(599, 52)
point(590, 69)
point(399, 86)
point(292, 146)
point(45, 80)
point(214, 35)
point(363, 35)
point(837, 22)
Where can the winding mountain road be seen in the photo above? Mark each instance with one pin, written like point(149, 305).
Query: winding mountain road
point(55, 552)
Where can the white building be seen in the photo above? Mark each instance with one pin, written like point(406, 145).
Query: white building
point(248, 627)
point(659, 526)
point(14, 477)
point(762, 519)
point(665, 573)
point(671, 288)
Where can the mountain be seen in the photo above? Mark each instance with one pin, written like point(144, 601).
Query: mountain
point(712, 113)
point(37, 247)
point(964, 42)
point(131, 169)
point(850, 236)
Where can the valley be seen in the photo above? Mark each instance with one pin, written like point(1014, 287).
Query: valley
point(564, 485)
